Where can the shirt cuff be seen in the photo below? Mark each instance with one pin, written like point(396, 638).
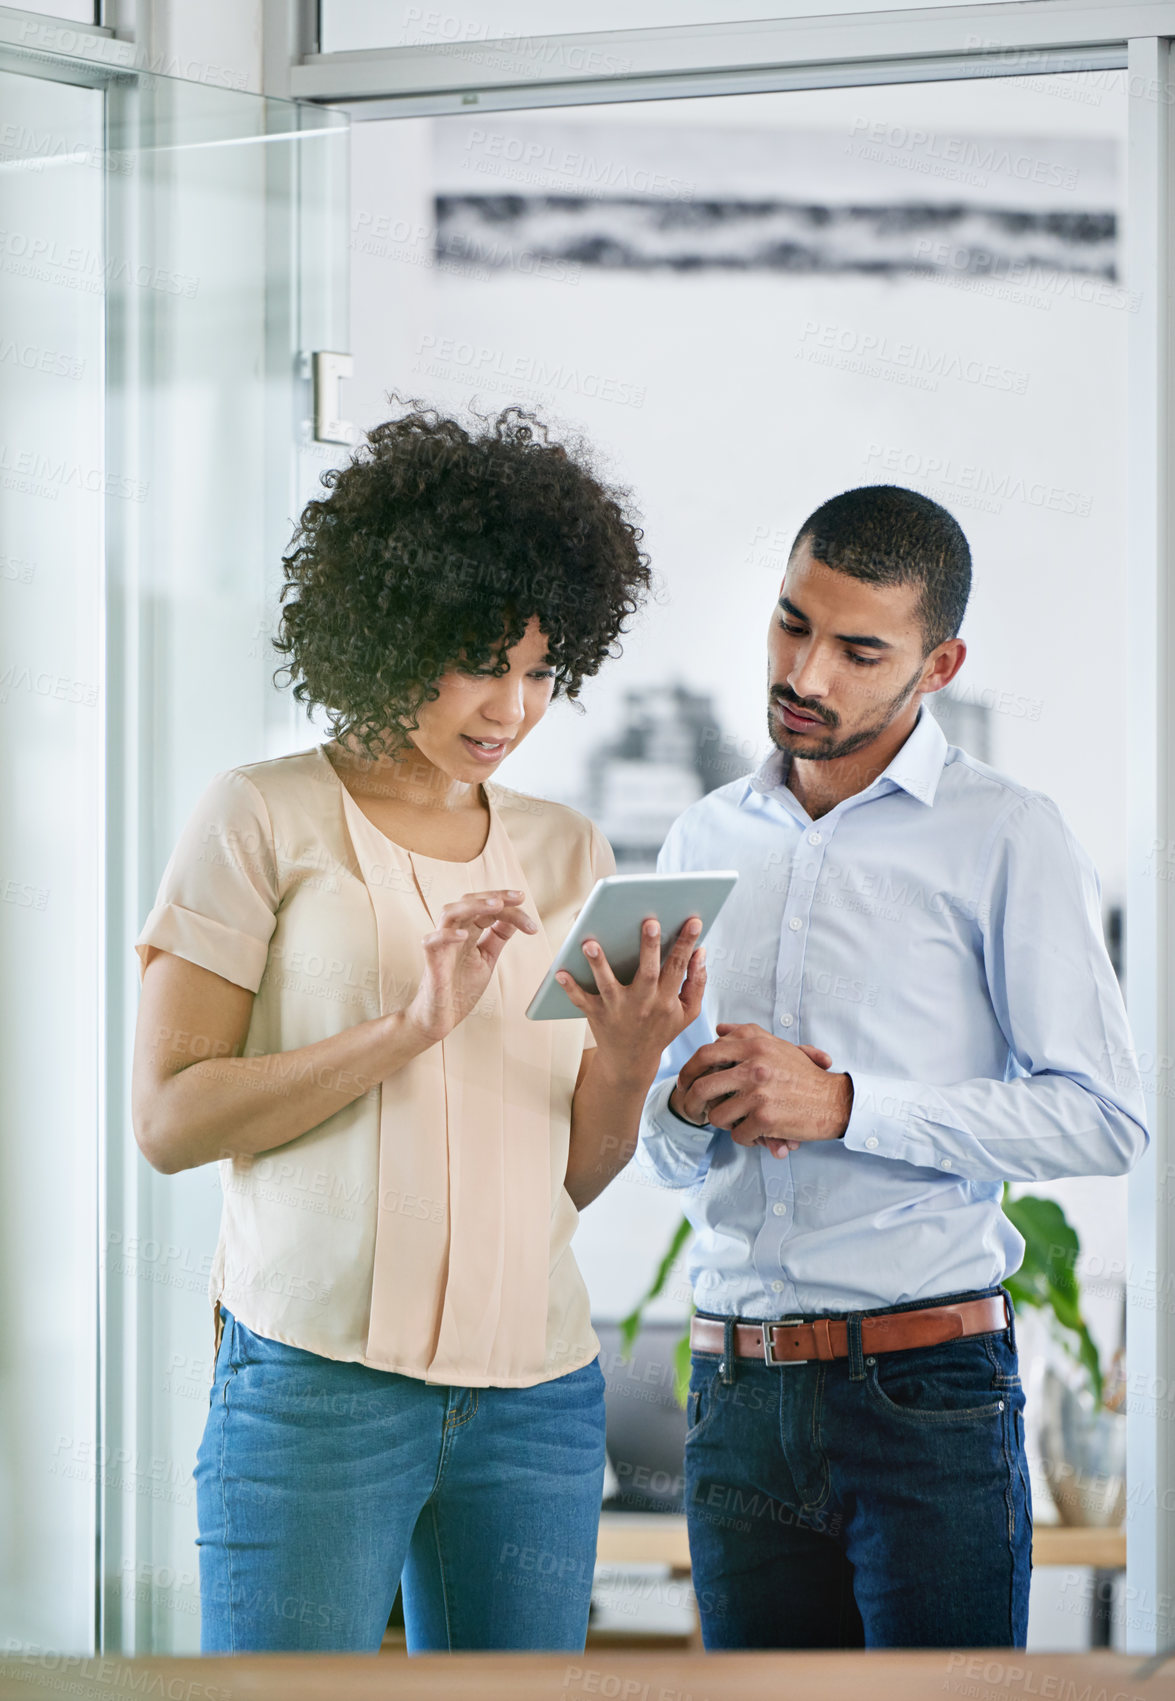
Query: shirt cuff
point(899, 1119)
point(657, 1108)
point(879, 1120)
point(680, 1146)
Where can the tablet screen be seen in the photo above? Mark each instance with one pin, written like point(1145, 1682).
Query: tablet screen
point(615, 910)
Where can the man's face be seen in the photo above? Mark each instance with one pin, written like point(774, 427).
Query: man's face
point(845, 660)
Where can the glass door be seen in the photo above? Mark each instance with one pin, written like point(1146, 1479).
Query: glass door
point(170, 256)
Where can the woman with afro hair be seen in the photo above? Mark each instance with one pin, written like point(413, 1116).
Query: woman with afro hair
point(406, 1384)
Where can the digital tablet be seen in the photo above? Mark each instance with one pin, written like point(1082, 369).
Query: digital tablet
point(615, 909)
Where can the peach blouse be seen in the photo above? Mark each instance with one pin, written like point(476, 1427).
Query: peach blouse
point(423, 1228)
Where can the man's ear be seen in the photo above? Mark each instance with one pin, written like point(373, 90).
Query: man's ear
point(942, 664)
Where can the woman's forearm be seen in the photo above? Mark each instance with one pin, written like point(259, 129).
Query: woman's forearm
point(222, 1106)
point(605, 1123)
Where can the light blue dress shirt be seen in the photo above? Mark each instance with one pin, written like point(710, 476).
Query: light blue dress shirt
point(939, 934)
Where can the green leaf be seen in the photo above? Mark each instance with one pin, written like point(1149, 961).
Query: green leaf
point(681, 1366)
point(1048, 1276)
point(630, 1325)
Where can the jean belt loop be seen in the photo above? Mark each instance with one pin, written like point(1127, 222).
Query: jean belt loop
point(726, 1370)
point(856, 1350)
point(1011, 1314)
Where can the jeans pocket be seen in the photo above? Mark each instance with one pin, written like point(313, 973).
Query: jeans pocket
point(251, 1349)
point(702, 1401)
point(957, 1382)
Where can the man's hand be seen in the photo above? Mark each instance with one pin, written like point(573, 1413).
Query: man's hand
point(765, 1090)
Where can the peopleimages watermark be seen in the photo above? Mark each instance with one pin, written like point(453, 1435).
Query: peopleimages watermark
point(997, 702)
point(456, 35)
point(522, 374)
point(408, 242)
point(43, 683)
point(611, 1686)
point(155, 1477)
point(1129, 83)
point(974, 485)
point(969, 159)
point(24, 894)
point(49, 362)
point(43, 258)
point(87, 1675)
point(52, 37)
point(473, 255)
point(36, 474)
point(964, 265)
point(1006, 1678)
point(876, 355)
point(533, 161)
point(36, 149)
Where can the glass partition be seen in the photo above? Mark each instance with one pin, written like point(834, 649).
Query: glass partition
point(54, 481)
point(170, 256)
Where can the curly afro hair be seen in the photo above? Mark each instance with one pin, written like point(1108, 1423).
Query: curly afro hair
point(433, 550)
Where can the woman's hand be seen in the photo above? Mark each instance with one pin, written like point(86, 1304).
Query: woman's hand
point(632, 1025)
point(459, 959)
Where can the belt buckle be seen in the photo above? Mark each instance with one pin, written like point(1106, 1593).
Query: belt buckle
point(769, 1357)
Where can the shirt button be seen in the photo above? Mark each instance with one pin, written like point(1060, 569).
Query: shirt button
point(815, 838)
point(780, 1210)
point(786, 1021)
point(795, 924)
point(777, 1287)
point(945, 1163)
point(871, 1142)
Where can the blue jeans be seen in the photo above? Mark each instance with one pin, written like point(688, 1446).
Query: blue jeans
point(877, 1502)
point(320, 1484)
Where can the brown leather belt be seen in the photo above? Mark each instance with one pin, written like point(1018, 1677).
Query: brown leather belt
point(793, 1341)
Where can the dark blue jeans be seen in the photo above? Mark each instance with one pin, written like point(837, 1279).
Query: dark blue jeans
point(320, 1483)
point(870, 1502)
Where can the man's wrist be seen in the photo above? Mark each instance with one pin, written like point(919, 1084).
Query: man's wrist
point(689, 1122)
point(840, 1108)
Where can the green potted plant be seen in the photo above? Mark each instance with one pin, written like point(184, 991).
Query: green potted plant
point(1047, 1279)
point(1083, 1433)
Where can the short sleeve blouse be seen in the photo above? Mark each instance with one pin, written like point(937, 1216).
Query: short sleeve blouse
point(424, 1228)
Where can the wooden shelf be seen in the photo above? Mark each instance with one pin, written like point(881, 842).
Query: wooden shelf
point(637, 1538)
point(1079, 1544)
point(653, 1539)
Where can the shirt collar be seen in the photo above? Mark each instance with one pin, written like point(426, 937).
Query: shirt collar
point(916, 768)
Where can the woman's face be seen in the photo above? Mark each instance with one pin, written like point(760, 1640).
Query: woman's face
point(478, 718)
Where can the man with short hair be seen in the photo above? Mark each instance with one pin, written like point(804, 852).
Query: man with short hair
point(909, 1003)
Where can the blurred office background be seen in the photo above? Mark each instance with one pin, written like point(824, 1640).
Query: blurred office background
point(743, 304)
point(746, 304)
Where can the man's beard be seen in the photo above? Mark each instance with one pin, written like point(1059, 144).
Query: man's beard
point(830, 748)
